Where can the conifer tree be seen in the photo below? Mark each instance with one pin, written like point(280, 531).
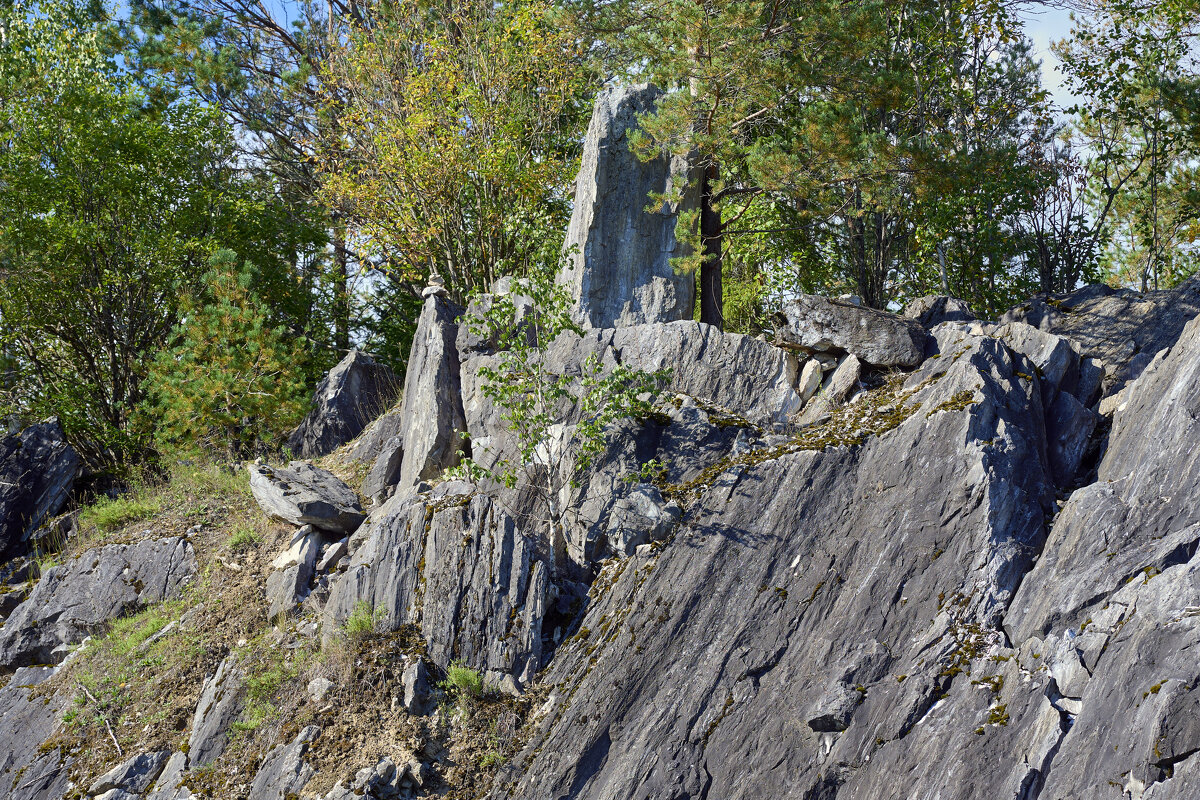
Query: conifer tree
point(229, 384)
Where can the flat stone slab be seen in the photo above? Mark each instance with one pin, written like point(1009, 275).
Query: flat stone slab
point(76, 599)
point(814, 324)
point(306, 495)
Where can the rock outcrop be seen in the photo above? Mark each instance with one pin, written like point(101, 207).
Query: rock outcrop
point(354, 392)
point(28, 771)
point(1121, 328)
point(37, 471)
point(812, 324)
point(432, 414)
point(306, 495)
point(934, 309)
point(76, 599)
point(620, 254)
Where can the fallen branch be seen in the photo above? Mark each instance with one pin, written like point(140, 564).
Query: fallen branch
point(108, 727)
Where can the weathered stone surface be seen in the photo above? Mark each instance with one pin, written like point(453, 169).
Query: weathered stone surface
point(800, 574)
point(220, 702)
point(134, 775)
point(740, 374)
point(368, 446)
point(459, 565)
point(169, 784)
point(934, 309)
point(306, 495)
point(433, 411)
point(25, 723)
point(416, 687)
point(810, 380)
point(838, 386)
point(288, 584)
point(639, 517)
point(37, 471)
point(76, 599)
point(284, 773)
point(354, 392)
point(385, 472)
point(620, 269)
point(1143, 511)
point(812, 324)
point(1114, 326)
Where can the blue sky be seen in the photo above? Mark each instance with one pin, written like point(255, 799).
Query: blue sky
point(1044, 25)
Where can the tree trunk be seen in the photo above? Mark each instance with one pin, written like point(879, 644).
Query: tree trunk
point(341, 292)
point(711, 306)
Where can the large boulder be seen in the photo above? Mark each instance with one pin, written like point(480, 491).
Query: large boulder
point(306, 495)
point(432, 415)
point(620, 254)
point(934, 309)
point(76, 599)
point(812, 324)
point(37, 471)
point(370, 443)
point(459, 566)
point(746, 378)
point(354, 392)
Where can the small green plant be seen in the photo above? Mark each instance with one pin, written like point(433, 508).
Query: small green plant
point(462, 681)
point(243, 538)
point(110, 513)
point(363, 621)
point(539, 404)
point(491, 759)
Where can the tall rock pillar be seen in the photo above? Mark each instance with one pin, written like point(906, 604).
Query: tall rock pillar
point(621, 253)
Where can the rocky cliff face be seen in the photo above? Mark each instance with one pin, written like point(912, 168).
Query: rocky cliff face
point(947, 587)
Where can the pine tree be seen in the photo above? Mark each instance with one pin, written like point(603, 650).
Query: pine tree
point(229, 384)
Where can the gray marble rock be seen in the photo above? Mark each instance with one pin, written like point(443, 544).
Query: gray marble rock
point(462, 568)
point(1114, 325)
point(416, 687)
point(37, 471)
point(432, 414)
point(306, 495)
point(385, 471)
point(746, 377)
point(357, 390)
point(368, 445)
point(219, 705)
point(284, 773)
point(78, 598)
point(812, 324)
point(26, 722)
point(293, 569)
point(934, 309)
point(619, 271)
point(134, 775)
point(799, 580)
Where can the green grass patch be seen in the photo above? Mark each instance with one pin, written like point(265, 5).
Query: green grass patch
point(243, 538)
point(463, 681)
point(363, 621)
point(109, 514)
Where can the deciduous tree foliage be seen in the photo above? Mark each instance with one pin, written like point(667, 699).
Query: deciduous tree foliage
point(458, 134)
point(110, 205)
